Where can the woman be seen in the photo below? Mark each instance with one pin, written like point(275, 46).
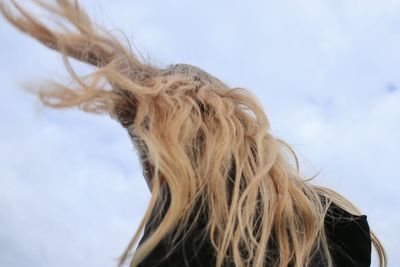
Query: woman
point(223, 190)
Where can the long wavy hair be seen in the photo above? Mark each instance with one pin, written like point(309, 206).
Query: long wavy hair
point(189, 129)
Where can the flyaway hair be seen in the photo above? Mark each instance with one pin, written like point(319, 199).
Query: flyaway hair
point(207, 144)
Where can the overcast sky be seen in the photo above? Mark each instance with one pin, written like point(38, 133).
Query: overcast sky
point(326, 72)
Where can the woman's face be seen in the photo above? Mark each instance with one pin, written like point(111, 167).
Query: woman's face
point(140, 146)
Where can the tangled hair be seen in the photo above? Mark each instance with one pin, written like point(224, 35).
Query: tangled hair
point(190, 129)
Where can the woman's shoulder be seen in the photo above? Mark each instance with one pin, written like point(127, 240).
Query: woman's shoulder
point(348, 237)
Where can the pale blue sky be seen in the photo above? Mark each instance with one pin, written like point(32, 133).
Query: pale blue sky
point(326, 72)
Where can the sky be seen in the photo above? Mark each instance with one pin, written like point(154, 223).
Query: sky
point(327, 74)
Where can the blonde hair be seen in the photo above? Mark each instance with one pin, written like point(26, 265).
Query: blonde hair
point(190, 129)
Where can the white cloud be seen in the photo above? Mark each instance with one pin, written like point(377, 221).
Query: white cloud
point(327, 73)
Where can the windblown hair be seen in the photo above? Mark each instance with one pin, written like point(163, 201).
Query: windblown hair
point(189, 129)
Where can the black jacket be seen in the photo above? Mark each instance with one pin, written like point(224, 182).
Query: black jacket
point(348, 236)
